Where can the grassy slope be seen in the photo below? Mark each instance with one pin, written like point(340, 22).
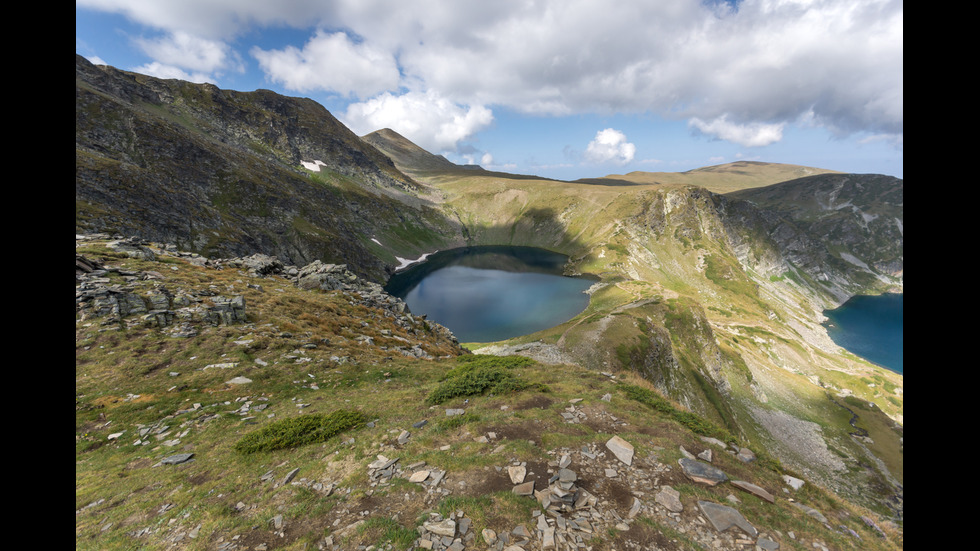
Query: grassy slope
point(130, 378)
point(724, 178)
point(763, 349)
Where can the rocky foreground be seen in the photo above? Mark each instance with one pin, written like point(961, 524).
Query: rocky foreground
point(574, 465)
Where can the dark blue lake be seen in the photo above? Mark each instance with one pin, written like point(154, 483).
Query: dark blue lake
point(871, 327)
point(492, 293)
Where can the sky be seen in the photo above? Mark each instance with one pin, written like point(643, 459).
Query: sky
point(563, 89)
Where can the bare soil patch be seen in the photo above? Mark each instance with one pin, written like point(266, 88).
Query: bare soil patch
point(537, 401)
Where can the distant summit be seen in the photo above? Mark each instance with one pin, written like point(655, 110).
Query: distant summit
point(405, 154)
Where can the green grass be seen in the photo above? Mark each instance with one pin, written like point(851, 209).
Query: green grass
point(387, 531)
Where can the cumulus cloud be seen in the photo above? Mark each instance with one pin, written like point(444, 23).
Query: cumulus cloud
point(190, 53)
point(96, 60)
point(428, 119)
point(610, 146)
point(160, 70)
point(748, 135)
point(331, 62)
point(764, 63)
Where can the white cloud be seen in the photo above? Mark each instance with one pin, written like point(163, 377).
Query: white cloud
point(331, 62)
point(769, 60)
point(191, 53)
point(610, 145)
point(160, 70)
point(428, 119)
point(748, 135)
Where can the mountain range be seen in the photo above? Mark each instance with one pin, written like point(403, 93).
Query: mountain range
point(711, 283)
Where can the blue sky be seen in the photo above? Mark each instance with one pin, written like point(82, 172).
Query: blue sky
point(559, 88)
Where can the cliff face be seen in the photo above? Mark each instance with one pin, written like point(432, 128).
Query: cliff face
point(220, 173)
point(843, 230)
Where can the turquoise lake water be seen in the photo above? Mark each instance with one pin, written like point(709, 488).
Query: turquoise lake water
point(485, 294)
point(871, 327)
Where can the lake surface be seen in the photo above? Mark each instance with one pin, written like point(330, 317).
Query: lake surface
point(871, 327)
point(492, 293)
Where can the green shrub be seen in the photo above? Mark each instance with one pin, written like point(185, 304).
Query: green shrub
point(508, 362)
point(693, 422)
point(481, 374)
point(299, 431)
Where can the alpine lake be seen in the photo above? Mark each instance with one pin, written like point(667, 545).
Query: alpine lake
point(492, 293)
point(870, 327)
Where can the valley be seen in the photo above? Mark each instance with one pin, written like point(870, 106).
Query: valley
point(710, 284)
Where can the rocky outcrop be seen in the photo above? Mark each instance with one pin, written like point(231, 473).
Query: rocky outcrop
point(114, 296)
point(111, 296)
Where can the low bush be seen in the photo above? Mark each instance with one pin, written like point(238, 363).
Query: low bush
point(693, 422)
point(481, 374)
point(299, 431)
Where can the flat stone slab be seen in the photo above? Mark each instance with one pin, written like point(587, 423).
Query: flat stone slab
point(723, 517)
point(176, 459)
point(793, 482)
point(745, 455)
point(622, 449)
point(754, 490)
point(516, 473)
point(445, 528)
point(670, 498)
point(524, 489)
point(419, 476)
point(382, 463)
point(714, 442)
point(811, 511)
point(702, 472)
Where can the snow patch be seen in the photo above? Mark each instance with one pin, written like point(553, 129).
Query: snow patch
point(406, 262)
point(313, 166)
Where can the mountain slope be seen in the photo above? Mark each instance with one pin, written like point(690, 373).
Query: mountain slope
point(716, 305)
point(405, 153)
point(857, 217)
point(220, 173)
point(184, 440)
